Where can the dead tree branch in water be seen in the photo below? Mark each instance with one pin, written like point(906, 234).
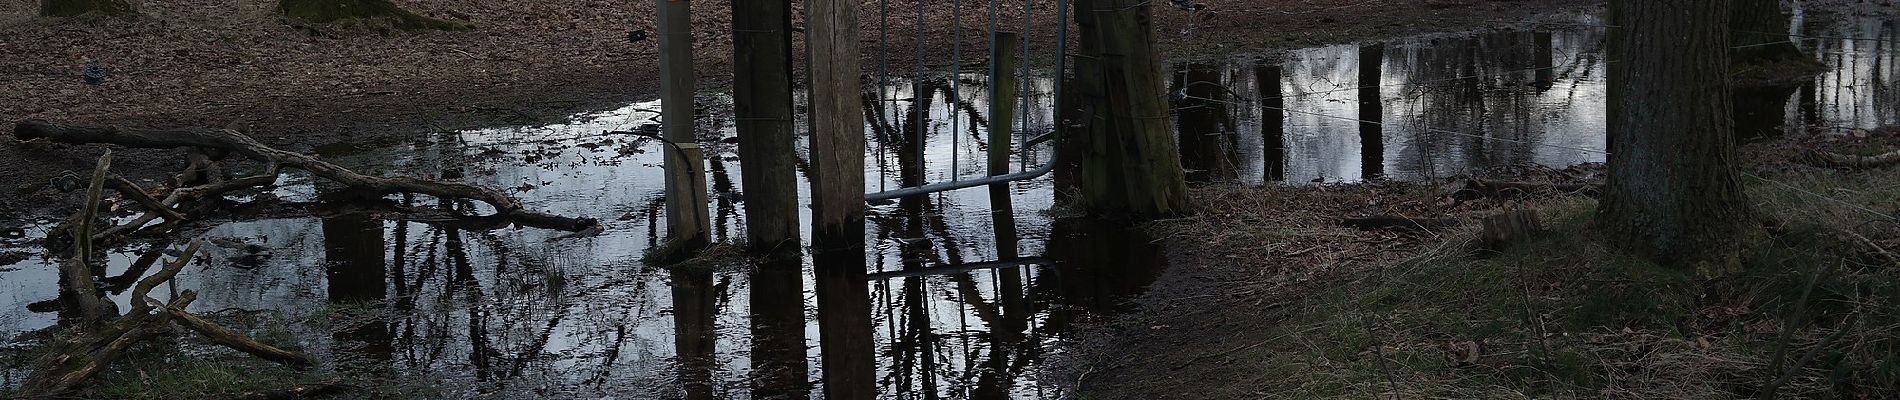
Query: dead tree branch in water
point(213, 140)
point(93, 342)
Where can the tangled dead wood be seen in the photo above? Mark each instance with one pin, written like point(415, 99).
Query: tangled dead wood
point(94, 340)
point(207, 141)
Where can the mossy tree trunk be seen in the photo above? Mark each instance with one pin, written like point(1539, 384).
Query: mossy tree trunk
point(1674, 192)
point(1129, 165)
point(74, 8)
point(325, 11)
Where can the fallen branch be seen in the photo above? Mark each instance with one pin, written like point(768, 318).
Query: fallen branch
point(80, 356)
point(1838, 160)
point(138, 194)
point(1472, 189)
point(236, 341)
point(237, 143)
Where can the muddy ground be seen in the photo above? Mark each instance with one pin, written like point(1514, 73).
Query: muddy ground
point(240, 66)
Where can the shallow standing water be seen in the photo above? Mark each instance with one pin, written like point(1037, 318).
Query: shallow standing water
point(522, 312)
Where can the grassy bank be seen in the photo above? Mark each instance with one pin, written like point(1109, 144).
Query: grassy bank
point(1566, 315)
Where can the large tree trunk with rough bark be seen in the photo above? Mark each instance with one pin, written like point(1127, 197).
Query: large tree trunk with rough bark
point(74, 8)
point(1673, 192)
point(1129, 165)
point(384, 11)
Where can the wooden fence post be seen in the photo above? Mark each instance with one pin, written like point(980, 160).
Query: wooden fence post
point(762, 107)
point(837, 175)
point(686, 216)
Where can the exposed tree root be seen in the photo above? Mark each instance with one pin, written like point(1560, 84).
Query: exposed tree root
point(222, 140)
point(1472, 189)
point(1838, 160)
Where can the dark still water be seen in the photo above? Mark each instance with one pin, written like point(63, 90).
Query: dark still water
point(958, 311)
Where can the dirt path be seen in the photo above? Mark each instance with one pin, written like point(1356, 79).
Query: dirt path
point(239, 66)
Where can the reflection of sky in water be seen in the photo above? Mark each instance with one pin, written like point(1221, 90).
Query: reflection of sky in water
point(532, 314)
point(1435, 122)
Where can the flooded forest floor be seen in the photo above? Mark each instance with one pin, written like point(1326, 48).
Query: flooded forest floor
point(1267, 294)
point(240, 66)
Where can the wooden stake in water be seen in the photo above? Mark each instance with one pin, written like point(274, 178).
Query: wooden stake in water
point(686, 216)
point(762, 104)
point(1003, 84)
point(837, 172)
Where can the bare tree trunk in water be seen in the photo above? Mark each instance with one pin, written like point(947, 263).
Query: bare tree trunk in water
point(762, 100)
point(1759, 31)
point(1372, 112)
point(1673, 191)
point(325, 11)
point(1129, 165)
point(74, 8)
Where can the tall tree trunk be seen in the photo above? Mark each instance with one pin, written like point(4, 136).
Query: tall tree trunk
point(762, 100)
point(1129, 165)
point(325, 11)
point(1759, 32)
point(74, 8)
point(1372, 112)
point(1202, 119)
point(1673, 187)
point(1272, 120)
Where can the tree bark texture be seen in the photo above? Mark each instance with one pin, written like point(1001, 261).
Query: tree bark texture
point(762, 103)
point(1129, 166)
point(1674, 192)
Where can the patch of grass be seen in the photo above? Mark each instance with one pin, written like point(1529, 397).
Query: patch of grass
point(1567, 315)
point(163, 371)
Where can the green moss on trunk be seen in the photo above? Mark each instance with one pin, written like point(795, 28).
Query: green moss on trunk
point(74, 8)
point(326, 11)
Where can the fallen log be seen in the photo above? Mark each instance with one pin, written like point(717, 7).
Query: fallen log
point(1838, 160)
point(237, 143)
point(138, 194)
point(1472, 189)
point(236, 341)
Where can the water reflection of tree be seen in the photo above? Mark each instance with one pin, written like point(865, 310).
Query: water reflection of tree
point(1494, 89)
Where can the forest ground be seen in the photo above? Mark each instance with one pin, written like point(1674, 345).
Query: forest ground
point(1268, 296)
point(1290, 307)
point(238, 65)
